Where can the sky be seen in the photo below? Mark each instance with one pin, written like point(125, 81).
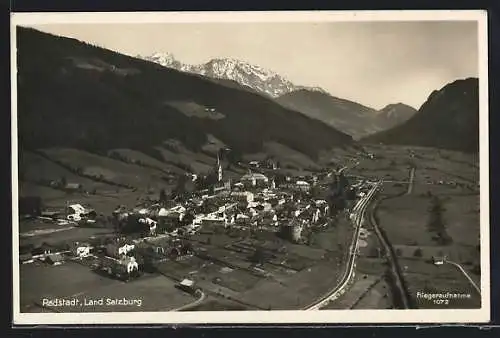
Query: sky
point(372, 63)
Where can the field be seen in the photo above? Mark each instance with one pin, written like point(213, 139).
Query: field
point(293, 277)
point(110, 169)
point(55, 235)
point(359, 289)
point(404, 213)
point(34, 168)
point(446, 178)
point(74, 281)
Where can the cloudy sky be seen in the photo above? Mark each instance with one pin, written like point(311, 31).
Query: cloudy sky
point(373, 63)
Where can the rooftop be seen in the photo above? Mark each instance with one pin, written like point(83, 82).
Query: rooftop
point(256, 176)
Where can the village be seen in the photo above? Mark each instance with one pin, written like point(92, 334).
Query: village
point(252, 216)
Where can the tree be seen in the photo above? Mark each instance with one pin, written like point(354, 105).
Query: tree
point(180, 188)
point(258, 256)
point(187, 219)
point(418, 253)
point(436, 222)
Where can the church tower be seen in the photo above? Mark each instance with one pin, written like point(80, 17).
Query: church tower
point(219, 169)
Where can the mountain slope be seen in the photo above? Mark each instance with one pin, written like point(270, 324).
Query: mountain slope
point(350, 117)
point(75, 95)
point(261, 80)
point(449, 119)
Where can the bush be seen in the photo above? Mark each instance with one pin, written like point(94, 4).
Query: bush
point(418, 253)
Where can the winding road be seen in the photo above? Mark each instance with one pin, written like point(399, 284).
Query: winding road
point(358, 212)
point(471, 281)
point(201, 297)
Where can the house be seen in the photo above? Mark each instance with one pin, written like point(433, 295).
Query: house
point(117, 250)
point(438, 260)
point(71, 187)
point(54, 259)
point(253, 180)
point(292, 231)
point(215, 219)
point(121, 268)
point(151, 224)
point(302, 186)
point(125, 249)
point(81, 249)
point(43, 249)
point(254, 164)
point(242, 219)
point(187, 285)
point(76, 212)
point(130, 264)
point(243, 197)
point(51, 213)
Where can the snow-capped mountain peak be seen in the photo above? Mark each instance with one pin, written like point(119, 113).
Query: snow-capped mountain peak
point(262, 80)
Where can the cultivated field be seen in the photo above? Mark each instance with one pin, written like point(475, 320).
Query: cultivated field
point(445, 191)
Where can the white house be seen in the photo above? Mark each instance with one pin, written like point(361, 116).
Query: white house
point(243, 196)
point(125, 249)
point(302, 185)
point(83, 251)
point(76, 212)
point(150, 223)
point(130, 264)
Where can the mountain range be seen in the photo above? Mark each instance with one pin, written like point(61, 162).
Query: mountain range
point(449, 119)
point(347, 116)
point(261, 80)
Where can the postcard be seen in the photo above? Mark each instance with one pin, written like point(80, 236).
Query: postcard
point(250, 167)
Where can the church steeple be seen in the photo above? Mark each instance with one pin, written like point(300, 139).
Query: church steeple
point(219, 169)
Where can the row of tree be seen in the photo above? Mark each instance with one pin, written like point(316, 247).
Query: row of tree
point(436, 224)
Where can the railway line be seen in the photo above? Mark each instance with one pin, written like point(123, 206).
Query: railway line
point(358, 212)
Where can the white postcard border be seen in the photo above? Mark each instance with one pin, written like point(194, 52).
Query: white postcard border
point(418, 316)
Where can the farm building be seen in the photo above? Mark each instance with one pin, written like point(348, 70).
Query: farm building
point(187, 285)
point(73, 187)
point(77, 212)
point(122, 268)
point(54, 259)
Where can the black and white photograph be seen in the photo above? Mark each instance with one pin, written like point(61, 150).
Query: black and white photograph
point(250, 167)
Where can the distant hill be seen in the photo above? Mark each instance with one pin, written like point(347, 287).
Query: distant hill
point(449, 119)
point(394, 114)
point(348, 116)
point(74, 95)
